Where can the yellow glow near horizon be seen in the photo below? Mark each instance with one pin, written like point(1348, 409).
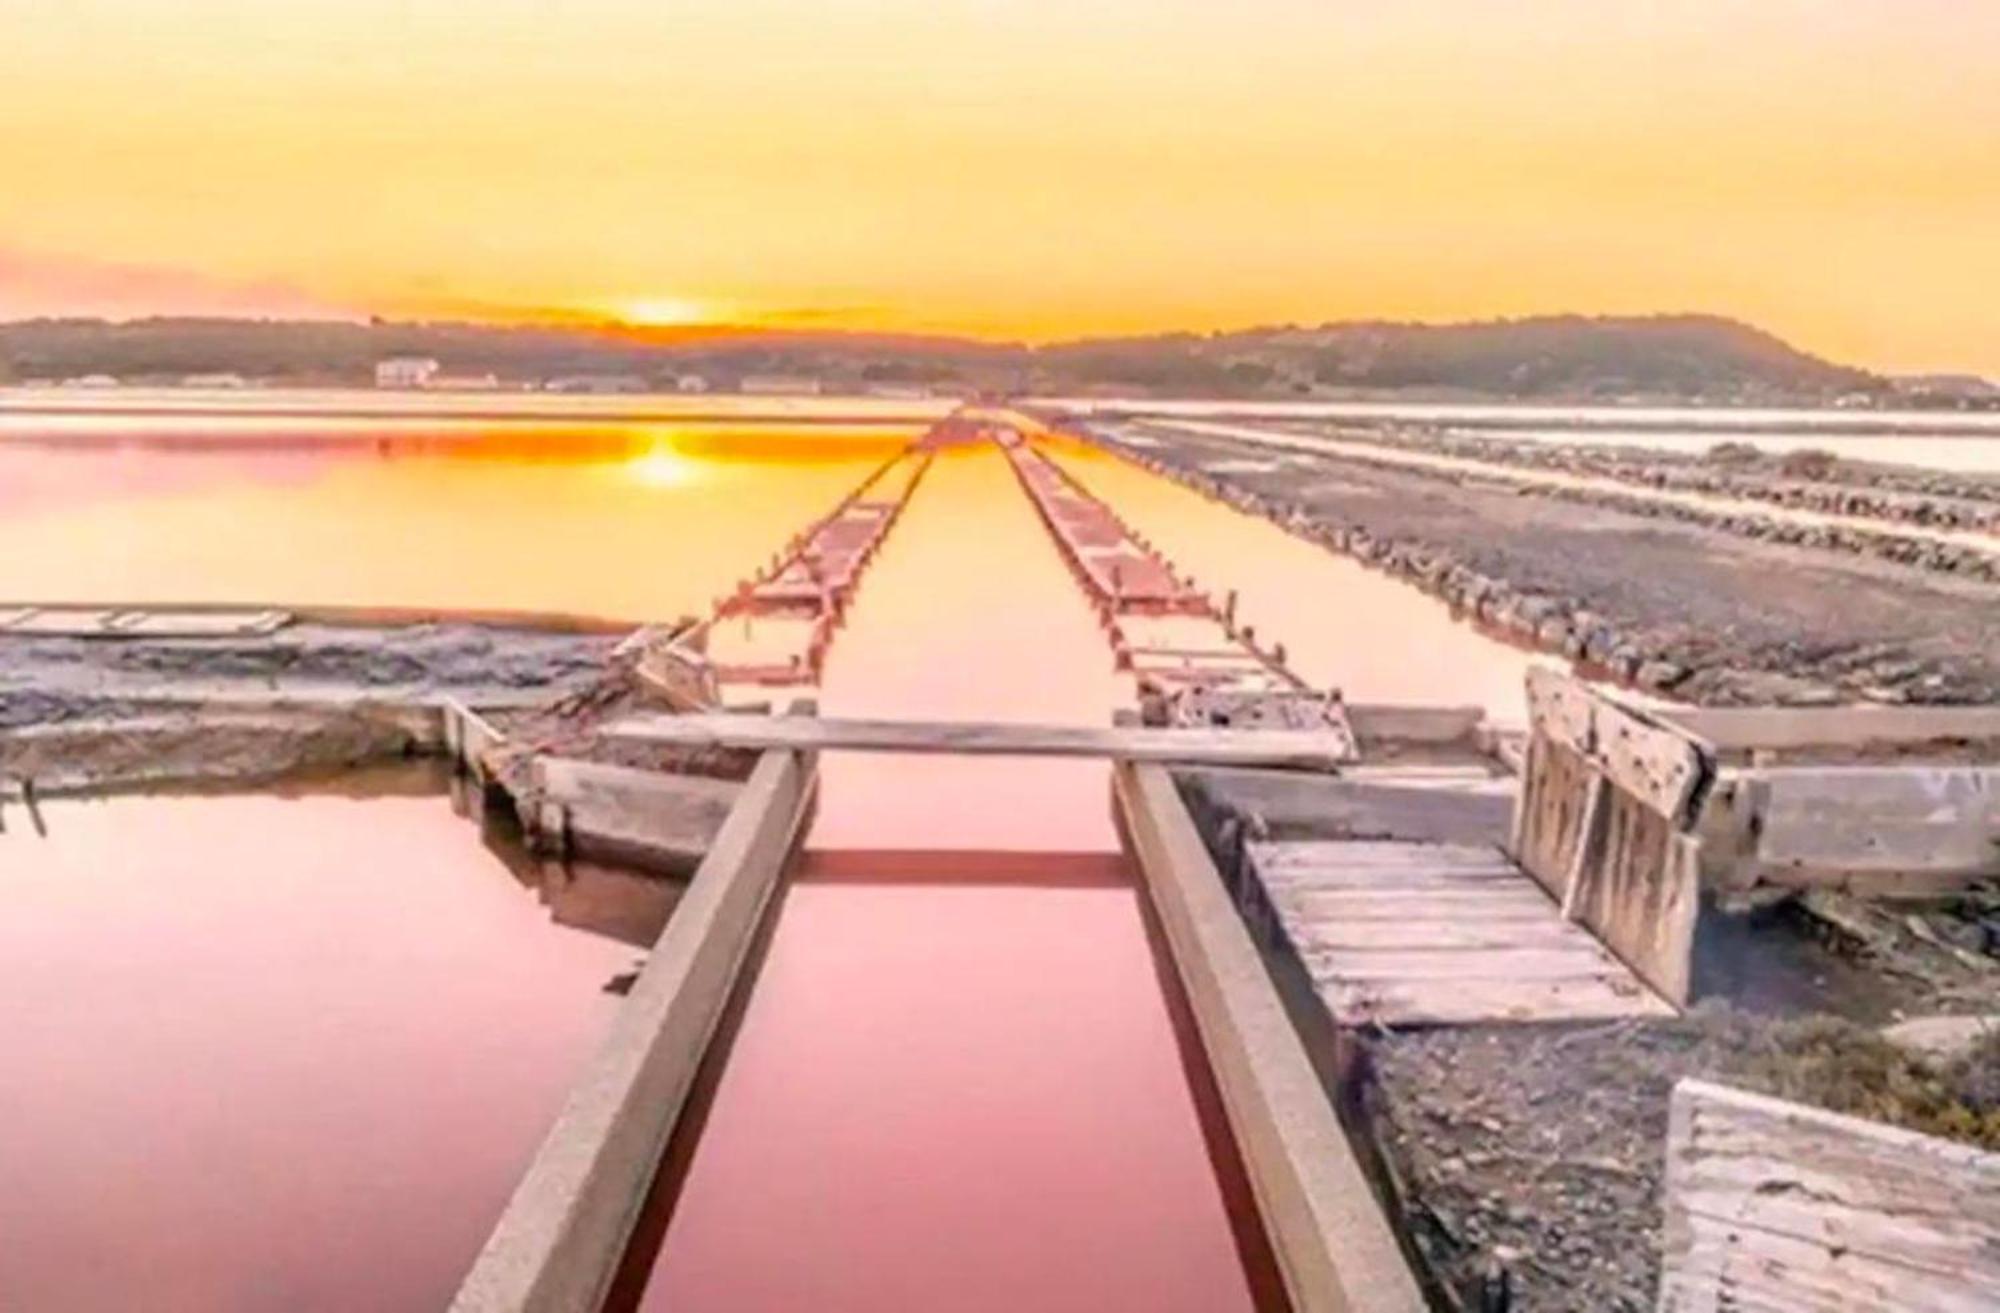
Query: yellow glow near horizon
point(1826, 169)
point(663, 467)
point(667, 312)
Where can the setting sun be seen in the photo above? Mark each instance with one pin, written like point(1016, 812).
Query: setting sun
point(663, 467)
point(667, 312)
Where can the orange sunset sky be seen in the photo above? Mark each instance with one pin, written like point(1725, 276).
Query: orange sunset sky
point(1829, 169)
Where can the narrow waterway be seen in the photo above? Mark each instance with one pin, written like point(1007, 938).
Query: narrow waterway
point(960, 1082)
point(1344, 626)
point(282, 1052)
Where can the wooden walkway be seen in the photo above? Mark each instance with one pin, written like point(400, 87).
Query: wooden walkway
point(774, 631)
point(1177, 642)
point(1431, 934)
point(139, 622)
point(1302, 749)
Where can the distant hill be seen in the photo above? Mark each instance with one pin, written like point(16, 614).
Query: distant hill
point(1659, 357)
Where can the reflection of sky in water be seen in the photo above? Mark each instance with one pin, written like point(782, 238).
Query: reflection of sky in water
point(638, 522)
point(266, 1052)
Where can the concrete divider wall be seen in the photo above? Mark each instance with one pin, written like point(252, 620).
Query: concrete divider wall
point(1335, 1247)
point(560, 1240)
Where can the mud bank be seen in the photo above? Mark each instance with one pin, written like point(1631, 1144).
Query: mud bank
point(1674, 606)
point(1525, 1163)
point(1803, 480)
point(1920, 551)
point(1534, 1157)
point(78, 713)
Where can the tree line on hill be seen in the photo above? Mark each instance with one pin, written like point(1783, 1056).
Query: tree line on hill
point(1575, 357)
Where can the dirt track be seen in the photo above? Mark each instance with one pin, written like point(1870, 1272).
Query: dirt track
point(1708, 616)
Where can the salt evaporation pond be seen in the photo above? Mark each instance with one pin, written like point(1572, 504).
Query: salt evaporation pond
point(283, 1052)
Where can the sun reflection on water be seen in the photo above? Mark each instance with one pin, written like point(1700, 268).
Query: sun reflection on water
point(662, 467)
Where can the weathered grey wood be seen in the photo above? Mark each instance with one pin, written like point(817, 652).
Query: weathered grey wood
point(1414, 934)
point(1774, 1205)
point(1476, 1002)
point(1578, 959)
point(1830, 821)
point(1560, 709)
point(1335, 1249)
point(1604, 805)
point(1792, 729)
point(1410, 932)
point(56, 621)
point(1469, 880)
point(679, 676)
point(650, 819)
point(1651, 759)
point(1303, 749)
point(564, 1231)
point(1393, 723)
point(1587, 843)
point(1346, 854)
point(1549, 812)
point(1521, 903)
point(1642, 895)
point(469, 738)
point(1654, 763)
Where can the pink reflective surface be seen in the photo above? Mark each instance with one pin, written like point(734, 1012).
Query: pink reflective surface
point(958, 1084)
point(636, 522)
point(278, 1053)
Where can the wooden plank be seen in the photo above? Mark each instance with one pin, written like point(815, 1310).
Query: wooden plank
point(1774, 1205)
point(1301, 749)
point(1384, 722)
point(1346, 854)
point(1642, 895)
point(1560, 709)
point(1548, 824)
point(1525, 903)
point(1649, 758)
point(648, 819)
point(1587, 843)
point(1658, 765)
point(1742, 729)
point(1579, 960)
point(469, 738)
point(1866, 819)
point(1385, 880)
point(1468, 1002)
point(1335, 1250)
point(1410, 932)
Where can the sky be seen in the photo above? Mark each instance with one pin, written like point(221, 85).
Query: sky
point(1827, 169)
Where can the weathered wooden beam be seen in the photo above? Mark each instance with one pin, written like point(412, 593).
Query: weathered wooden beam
point(1780, 729)
point(563, 1233)
point(1775, 1205)
point(1334, 1247)
point(1813, 824)
point(1658, 763)
point(653, 820)
point(1299, 749)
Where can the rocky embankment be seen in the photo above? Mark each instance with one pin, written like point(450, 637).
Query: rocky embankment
point(1806, 479)
point(78, 713)
point(1677, 605)
point(1979, 561)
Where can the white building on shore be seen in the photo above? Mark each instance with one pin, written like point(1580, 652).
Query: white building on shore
point(405, 372)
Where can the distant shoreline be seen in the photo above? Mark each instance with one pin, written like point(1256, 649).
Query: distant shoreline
point(833, 411)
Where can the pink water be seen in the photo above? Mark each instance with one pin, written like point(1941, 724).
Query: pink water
point(279, 1052)
point(959, 1084)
